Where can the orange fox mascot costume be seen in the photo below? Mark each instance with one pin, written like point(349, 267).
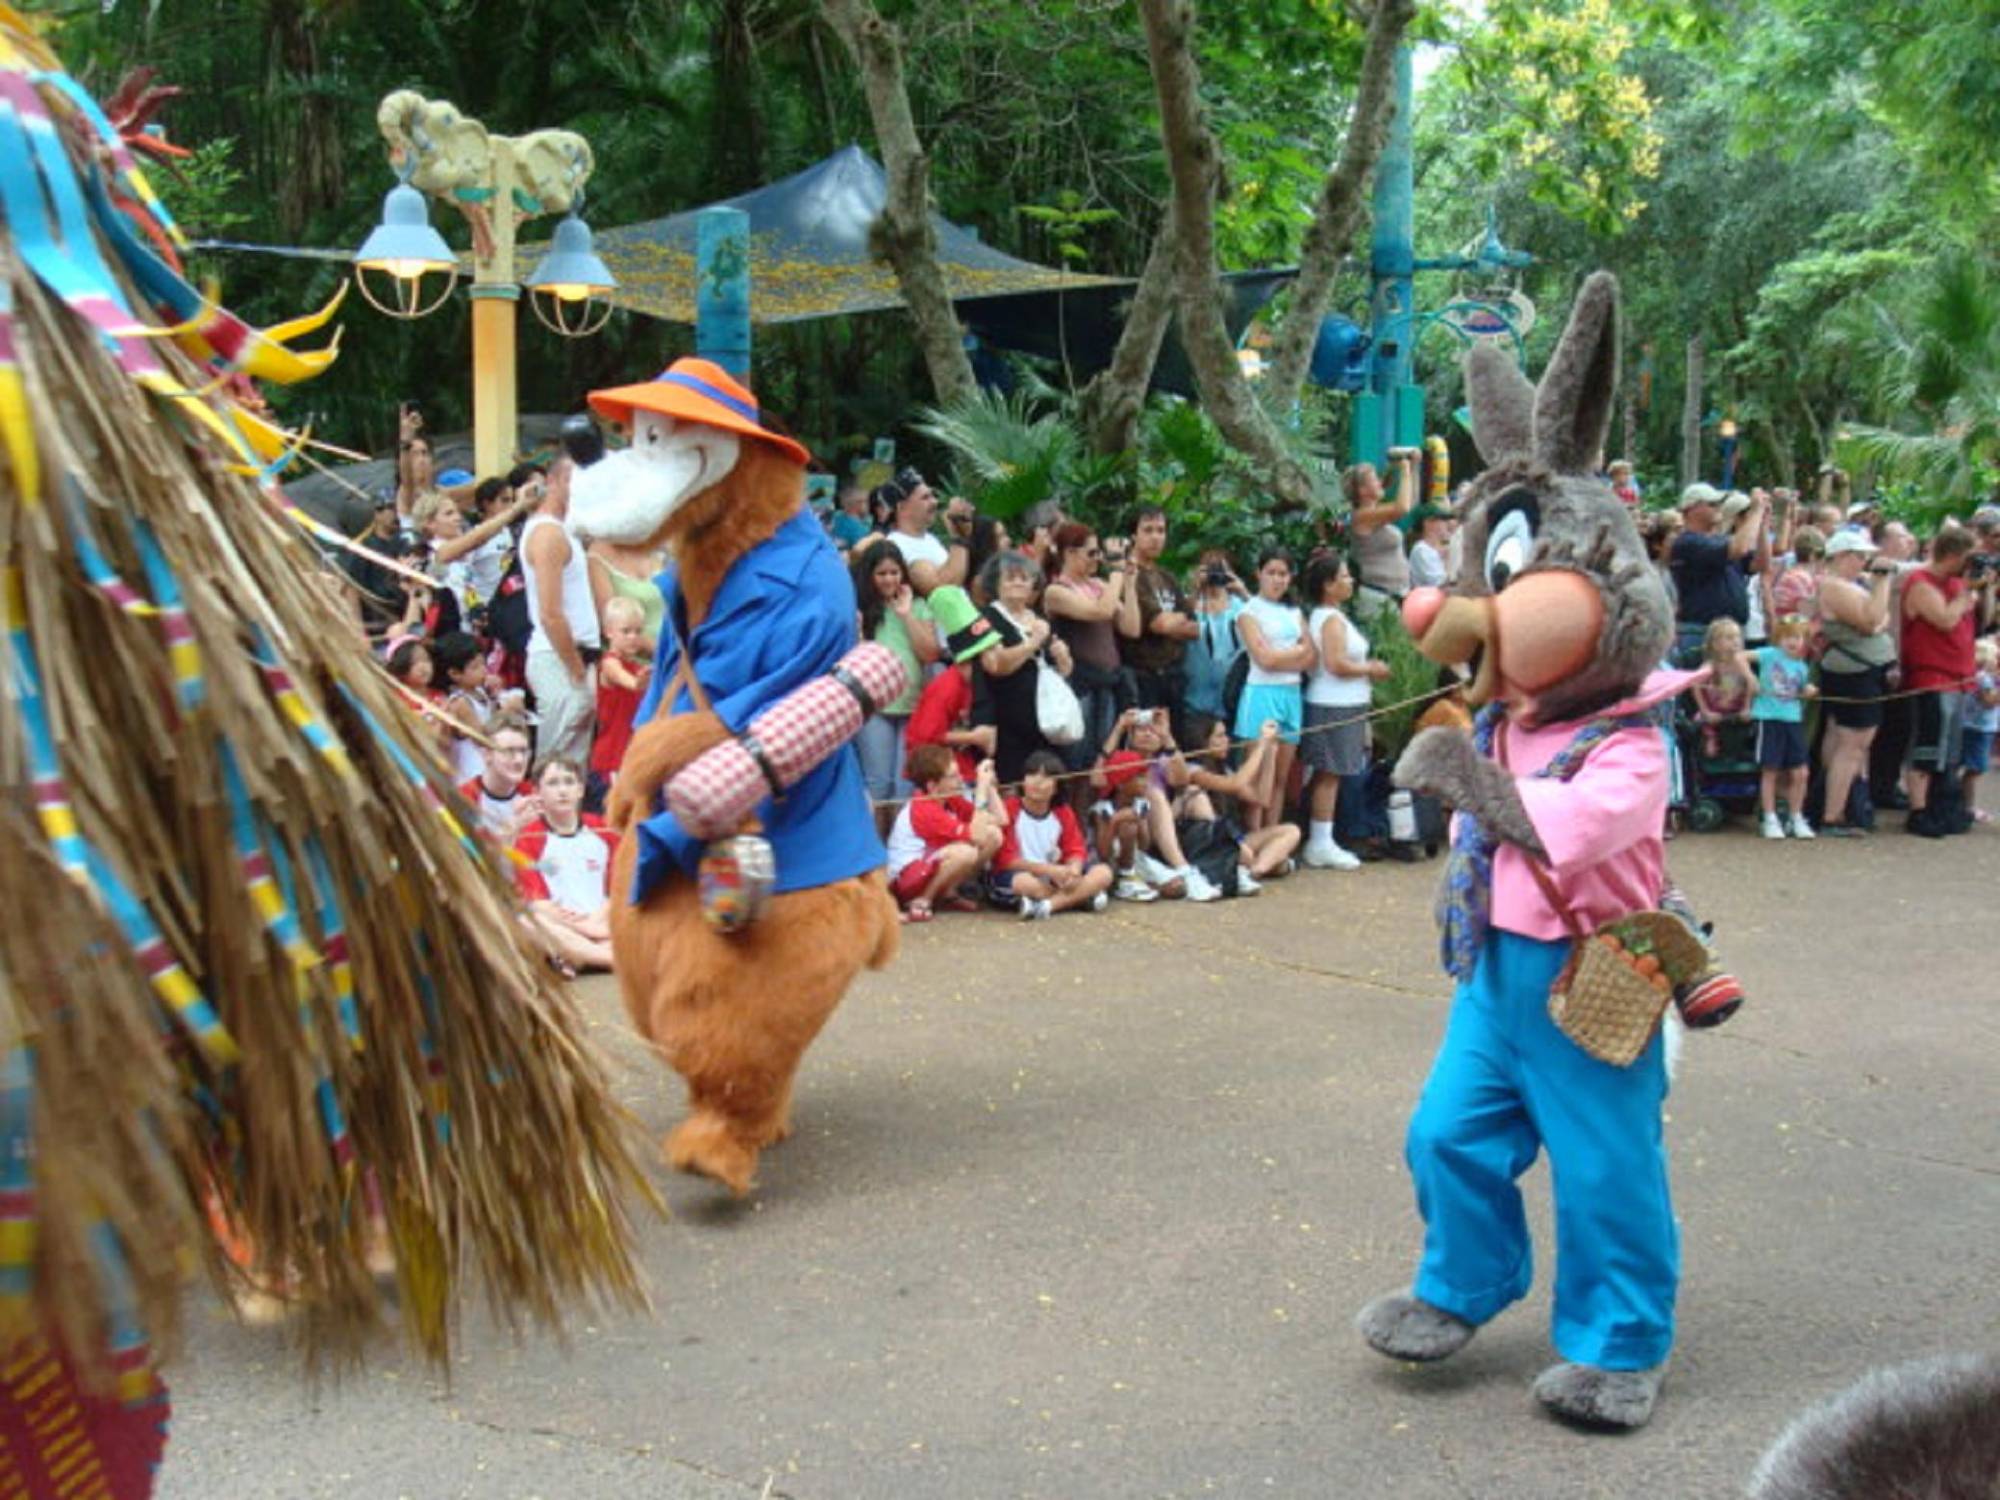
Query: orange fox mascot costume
point(757, 605)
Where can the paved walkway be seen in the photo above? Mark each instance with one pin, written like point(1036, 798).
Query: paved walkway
point(1085, 1209)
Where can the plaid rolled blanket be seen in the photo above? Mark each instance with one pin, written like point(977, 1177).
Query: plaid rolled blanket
point(714, 794)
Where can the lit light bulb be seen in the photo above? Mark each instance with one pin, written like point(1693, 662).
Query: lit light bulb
point(569, 291)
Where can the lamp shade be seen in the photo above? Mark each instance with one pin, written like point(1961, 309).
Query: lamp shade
point(572, 271)
point(404, 244)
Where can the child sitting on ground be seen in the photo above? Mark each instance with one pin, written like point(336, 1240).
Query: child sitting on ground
point(1725, 697)
point(501, 793)
point(1784, 682)
point(1981, 722)
point(621, 683)
point(1162, 863)
point(565, 872)
point(1121, 820)
point(1044, 862)
point(940, 839)
point(1215, 793)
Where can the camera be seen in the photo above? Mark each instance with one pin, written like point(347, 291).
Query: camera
point(1216, 577)
point(1980, 566)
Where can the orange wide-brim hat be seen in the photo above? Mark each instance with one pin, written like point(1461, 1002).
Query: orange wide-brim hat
point(695, 390)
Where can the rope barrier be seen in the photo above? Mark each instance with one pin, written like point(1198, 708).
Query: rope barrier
point(1383, 711)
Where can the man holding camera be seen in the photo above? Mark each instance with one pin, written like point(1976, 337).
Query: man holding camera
point(1156, 653)
point(1712, 567)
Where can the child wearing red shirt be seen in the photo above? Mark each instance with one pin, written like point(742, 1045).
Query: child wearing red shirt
point(621, 683)
point(1044, 862)
point(942, 839)
point(564, 872)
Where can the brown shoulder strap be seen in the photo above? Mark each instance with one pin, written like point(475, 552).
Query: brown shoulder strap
point(1554, 897)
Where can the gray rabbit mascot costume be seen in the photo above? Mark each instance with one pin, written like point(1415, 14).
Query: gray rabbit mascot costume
point(1561, 793)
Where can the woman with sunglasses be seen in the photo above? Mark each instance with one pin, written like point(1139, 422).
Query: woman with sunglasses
point(1088, 613)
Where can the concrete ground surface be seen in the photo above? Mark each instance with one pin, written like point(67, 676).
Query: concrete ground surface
point(1086, 1208)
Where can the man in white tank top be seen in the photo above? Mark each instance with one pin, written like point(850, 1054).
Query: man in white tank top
point(563, 651)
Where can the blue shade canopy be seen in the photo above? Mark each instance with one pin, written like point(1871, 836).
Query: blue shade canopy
point(809, 255)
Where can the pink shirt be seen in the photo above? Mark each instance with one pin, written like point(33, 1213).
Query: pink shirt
point(1601, 827)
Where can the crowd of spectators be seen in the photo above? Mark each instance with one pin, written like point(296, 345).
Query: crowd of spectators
point(1082, 724)
point(1790, 600)
point(1202, 726)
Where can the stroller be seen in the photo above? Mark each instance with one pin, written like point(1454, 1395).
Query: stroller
point(1724, 782)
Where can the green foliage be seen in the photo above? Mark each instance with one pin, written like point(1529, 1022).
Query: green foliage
point(1067, 221)
point(1553, 100)
point(204, 192)
point(1412, 675)
point(1936, 372)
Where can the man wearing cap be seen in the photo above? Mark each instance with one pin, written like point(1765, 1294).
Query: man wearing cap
point(1711, 566)
point(914, 506)
point(381, 591)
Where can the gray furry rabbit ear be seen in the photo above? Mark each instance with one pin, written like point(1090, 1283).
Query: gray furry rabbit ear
point(1573, 404)
point(1562, 424)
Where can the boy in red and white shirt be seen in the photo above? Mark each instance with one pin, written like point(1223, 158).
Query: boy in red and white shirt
point(941, 839)
point(502, 794)
point(564, 873)
point(1044, 860)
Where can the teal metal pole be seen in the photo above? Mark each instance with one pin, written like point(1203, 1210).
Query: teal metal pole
point(722, 289)
point(1392, 268)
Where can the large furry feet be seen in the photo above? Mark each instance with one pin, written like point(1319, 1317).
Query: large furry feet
point(1609, 1400)
point(1403, 1326)
point(705, 1145)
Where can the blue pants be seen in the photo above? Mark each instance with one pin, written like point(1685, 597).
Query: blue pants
point(1505, 1085)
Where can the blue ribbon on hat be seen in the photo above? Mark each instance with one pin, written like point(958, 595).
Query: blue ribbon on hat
point(745, 409)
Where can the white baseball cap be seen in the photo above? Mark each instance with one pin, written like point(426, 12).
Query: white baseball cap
point(1700, 494)
point(1849, 539)
point(1733, 505)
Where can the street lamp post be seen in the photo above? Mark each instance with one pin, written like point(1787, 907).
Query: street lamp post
point(497, 182)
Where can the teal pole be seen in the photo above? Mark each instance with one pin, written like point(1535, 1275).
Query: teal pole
point(722, 289)
point(1392, 271)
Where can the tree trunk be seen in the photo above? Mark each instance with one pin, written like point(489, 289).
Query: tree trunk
point(1341, 201)
point(1784, 465)
point(1691, 415)
point(1113, 399)
point(1193, 160)
point(903, 235)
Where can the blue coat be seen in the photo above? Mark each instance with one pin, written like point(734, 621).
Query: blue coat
point(783, 616)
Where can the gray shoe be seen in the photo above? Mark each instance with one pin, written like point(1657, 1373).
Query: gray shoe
point(1403, 1326)
point(1608, 1400)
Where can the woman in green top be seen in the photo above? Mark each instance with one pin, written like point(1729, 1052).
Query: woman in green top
point(893, 616)
point(628, 573)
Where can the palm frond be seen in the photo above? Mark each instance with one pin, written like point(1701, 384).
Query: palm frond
point(1931, 459)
